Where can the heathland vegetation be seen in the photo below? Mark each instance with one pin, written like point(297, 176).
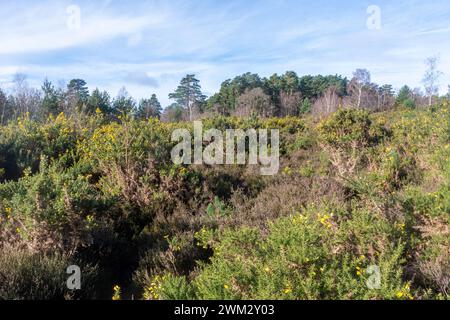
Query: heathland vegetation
point(363, 190)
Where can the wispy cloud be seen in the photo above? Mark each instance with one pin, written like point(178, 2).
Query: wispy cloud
point(43, 27)
point(148, 46)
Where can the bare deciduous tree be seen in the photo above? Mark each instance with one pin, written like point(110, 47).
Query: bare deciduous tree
point(431, 78)
point(360, 82)
point(254, 102)
point(385, 97)
point(289, 102)
point(26, 100)
point(328, 103)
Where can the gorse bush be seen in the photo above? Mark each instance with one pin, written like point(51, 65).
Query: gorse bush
point(357, 193)
point(311, 255)
point(347, 127)
point(347, 136)
point(23, 143)
point(47, 210)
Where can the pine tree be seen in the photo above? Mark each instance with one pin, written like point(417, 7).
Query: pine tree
point(124, 105)
point(305, 106)
point(149, 108)
point(99, 101)
point(77, 95)
point(404, 94)
point(51, 104)
point(4, 110)
point(189, 94)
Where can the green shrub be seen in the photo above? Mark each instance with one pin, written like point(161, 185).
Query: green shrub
point(358, 190)
point(313, 255)
point(47, 210)
point(169, 287)
point(347, 127)
point(22, 144)
point(347, 136)
point(409, 104)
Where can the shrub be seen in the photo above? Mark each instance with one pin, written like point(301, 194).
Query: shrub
point(108, 194)
point(409, 104)
point(22, 144)
point(347, 127)
point(314, 255)
point(169, 287)
point(345, 135)
point(46, 211)
point(34, 276)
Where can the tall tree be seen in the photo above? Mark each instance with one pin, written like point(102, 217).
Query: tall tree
point(77, 95)
point(289, 97)
point(385, 97)
point(149, 108)
point(328, 102)
point(51, 103)
point(313, 87)
point(230, 90)
point(404, 94)
point(431, 78)
point(360, 82)
point(289, 82)
point(254, 103)
point(189, 94)
point(173, 113)
point(98, 101)
point(305, 106)
point(123, 104)
point(4, 110)
point(25, 100)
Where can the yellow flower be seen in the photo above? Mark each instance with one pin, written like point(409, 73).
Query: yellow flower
point(226, 286)
point(324, 220)
point(400, 227)
point(116, 294)
point(405, 292)
point(300, 219)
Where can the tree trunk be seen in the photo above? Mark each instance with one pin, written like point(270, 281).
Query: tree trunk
point(359, 97)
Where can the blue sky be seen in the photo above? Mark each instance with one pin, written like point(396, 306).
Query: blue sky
point(147, 46)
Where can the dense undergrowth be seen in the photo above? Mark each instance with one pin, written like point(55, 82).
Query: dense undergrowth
point(355, 191)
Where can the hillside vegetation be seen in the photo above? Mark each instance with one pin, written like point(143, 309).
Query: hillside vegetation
point(357, 190)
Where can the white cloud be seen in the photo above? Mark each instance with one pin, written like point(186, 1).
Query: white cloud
point(142, 45)
point(42, 28)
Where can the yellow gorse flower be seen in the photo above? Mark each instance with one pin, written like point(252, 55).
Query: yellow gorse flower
point(325, 220)
point(116, 293)
point(405, 293)
point(152, 292)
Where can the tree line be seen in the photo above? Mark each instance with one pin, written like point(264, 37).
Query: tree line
point(246, 95)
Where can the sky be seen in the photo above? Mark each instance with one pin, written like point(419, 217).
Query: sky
point(148, 46)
